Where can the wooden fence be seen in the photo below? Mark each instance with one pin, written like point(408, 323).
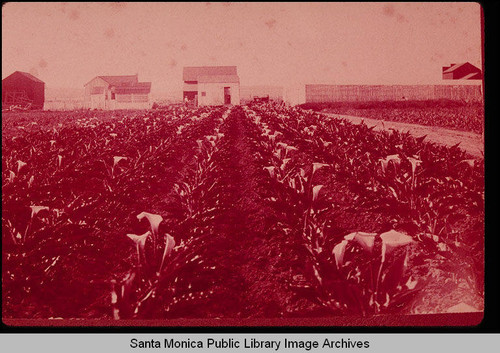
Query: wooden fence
point(363, 93)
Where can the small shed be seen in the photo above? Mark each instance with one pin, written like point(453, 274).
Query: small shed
point(24, 90)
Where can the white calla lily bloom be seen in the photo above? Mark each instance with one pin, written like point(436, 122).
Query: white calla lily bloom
point(316, 190)
point(339, 251)
point(36, 209)
point(169, 247)
point(270, 170)
point(385, 161)
point(414, 163)
point(393, 239)
point(140, 242)
point(20, 165)
point(317, 166)
point(117, 159)
point(366, 240)
point(154, 220)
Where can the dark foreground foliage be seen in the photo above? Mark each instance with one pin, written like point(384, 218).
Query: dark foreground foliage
point(261, 211)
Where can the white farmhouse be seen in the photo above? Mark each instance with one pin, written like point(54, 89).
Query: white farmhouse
point(117, 92)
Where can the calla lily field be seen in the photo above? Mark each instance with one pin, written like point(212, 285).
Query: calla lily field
point(258, 211)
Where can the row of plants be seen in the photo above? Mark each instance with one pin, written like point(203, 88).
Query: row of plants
point(411, 188)
point(445, 113)
point(261, 211)
point(171, 268)
point(71, 193)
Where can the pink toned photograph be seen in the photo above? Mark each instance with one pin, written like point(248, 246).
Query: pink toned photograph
point(243, 164)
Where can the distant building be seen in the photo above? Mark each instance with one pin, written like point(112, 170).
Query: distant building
point(211, 85)
point(117, 92)
point(23, 89)
point(463, 71)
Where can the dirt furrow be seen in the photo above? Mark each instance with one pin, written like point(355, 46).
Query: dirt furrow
point(255, 279)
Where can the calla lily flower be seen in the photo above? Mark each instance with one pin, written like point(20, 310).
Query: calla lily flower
point(393, 239)
point(414, 164)
point(270, 170)
point(36, 209)
point(339, 251)
point(117, 159)
point(20, 164)
point(32, 178)
point(140, 242)
point(317, 166)
point(385, 161)
point(366, 240)
point(169, 246)
point(316, 190)
point(283, 164)
point(410, 284)
point(59, 160)
point(154, 220)
point(12, 175)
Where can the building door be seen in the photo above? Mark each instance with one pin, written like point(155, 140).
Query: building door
point(191, 98)
point(227, 95)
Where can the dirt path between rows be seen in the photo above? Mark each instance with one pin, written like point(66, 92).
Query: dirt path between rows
point(252, 263)
point(470, 142)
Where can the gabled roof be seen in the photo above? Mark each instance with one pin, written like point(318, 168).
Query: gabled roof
point(128, 84)
point(218, 79)
point(138, 88)
point(462, 71)
point(472, 76)
point(191, 73)
point(120, 80)
point(117, 80)
point(27, 75)
point(453, 67)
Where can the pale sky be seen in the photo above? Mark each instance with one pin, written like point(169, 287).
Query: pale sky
point(67, 44)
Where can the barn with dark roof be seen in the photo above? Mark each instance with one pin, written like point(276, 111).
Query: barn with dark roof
point(24, 90)
point(117, 92)
point(462, 71)
point(211, 85)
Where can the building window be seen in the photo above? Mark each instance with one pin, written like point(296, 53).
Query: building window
point(203, 94)
point(112, 95)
